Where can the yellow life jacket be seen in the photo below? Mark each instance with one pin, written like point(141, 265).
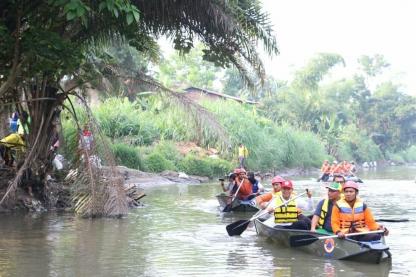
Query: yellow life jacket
point(242, 152)
point(352, 219)
point(287, 213)
point(324, 212)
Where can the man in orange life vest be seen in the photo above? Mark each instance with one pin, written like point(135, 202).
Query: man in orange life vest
point(263, 200)
point(246, 191)
point(351, 215)
point(325, 170)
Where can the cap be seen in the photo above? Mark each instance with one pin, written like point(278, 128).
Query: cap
point(334, 186)
point(287, 184)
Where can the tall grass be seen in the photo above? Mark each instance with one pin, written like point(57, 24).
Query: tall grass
point(155, 127)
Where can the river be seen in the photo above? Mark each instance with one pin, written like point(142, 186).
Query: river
point(180, 232)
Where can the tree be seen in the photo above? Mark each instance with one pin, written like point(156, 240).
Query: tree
point(46, 42)
point(372, 66)
point(181, 71)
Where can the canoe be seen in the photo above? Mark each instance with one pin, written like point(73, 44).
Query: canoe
point(347, 178)
point(331, 248)
point(237, 206)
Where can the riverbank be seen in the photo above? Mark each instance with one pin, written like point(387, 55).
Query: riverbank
point(136, 183)
point(147, 179)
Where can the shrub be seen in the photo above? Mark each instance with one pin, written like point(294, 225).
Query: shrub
point(195, 166)
point(127, 155)
point(156, 162)
point(396, 157)
point(219, 167)
point(168, 150)
point(410, 154)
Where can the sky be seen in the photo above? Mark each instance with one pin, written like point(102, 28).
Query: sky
point(350, 28)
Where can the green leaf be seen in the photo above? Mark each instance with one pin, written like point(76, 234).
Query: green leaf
point(136, 15)
point(115, 11)
point(70, 15)
point(80, 11)
point(129, 18)
point(101, 6)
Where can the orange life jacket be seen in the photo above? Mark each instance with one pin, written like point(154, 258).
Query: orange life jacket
point(352, 219)
point(326, 168)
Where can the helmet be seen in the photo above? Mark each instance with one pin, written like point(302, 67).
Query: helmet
point(277, 179)
point(239, 170)
point(287, 184)
point(350, 184)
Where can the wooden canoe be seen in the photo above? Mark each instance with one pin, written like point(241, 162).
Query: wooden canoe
point(237, 206)
point(331, 248)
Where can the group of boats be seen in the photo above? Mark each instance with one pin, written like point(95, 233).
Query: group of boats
point(324, 245)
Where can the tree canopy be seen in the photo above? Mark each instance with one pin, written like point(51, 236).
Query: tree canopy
point(56, 37)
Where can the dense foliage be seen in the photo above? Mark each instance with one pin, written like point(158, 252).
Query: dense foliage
point(358, 117)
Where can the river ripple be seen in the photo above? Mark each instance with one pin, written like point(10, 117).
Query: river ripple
point(180, 232)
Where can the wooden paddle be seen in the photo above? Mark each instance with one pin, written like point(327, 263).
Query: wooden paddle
point(229, 206)
point(238, 227)
point(302, 240)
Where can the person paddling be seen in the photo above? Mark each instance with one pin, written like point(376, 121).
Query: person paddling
point(263, 200)
point(322, 216)
point(289, 216)
point(351, 215)
point(245, 192)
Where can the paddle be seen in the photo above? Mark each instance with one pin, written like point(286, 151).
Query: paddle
point(302, 240)
point(238, 227)
point(392, 220)
point(230, 206)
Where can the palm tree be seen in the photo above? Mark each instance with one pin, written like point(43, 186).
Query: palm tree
point(49, 43)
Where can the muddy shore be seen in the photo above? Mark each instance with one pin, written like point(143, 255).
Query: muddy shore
point(146, 179)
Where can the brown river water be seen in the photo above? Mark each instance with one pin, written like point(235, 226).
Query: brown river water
point(181, 232)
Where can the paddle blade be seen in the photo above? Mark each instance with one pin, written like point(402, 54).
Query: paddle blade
point(237, 228)
point(227, 208)
point(393, 220)
point(302, 240)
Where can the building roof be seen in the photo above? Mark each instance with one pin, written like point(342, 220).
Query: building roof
point(220, 95)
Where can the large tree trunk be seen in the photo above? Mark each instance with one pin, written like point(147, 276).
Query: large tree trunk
point(40, 102)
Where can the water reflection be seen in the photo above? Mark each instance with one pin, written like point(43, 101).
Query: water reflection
point(180, 232)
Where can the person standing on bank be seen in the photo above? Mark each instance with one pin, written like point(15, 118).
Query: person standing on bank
point(242, 155)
